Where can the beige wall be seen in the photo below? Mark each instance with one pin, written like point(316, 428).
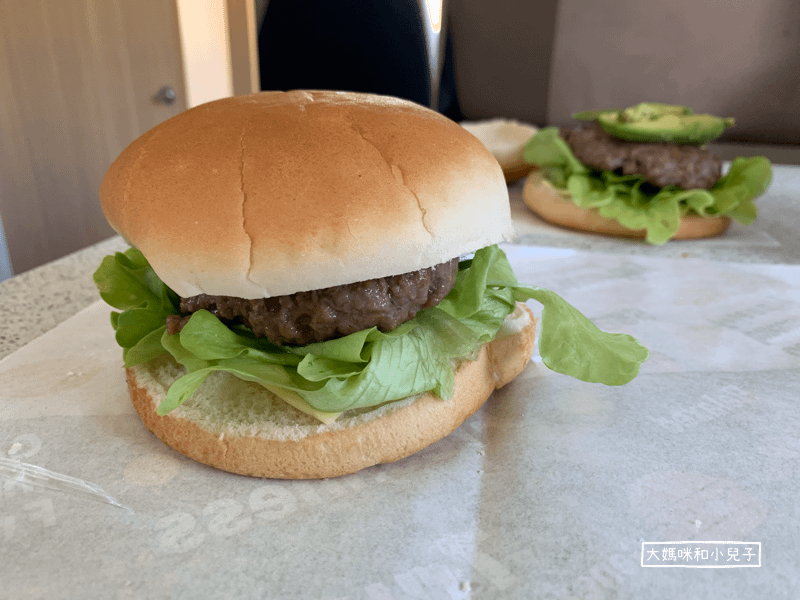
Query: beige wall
point(207, 68)
point(77, 85)
point(541, 61)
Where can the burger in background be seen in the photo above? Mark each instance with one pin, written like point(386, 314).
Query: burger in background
point(642, 172)
point(505, 139)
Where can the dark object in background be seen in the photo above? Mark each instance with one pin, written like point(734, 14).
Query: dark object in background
point(448, 97)
point(376, 46)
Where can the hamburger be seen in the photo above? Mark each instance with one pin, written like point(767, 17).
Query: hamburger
point(314, 284)
point(505, 139)
point(642, 172)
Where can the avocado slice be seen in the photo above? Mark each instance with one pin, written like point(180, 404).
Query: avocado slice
point(657, 122)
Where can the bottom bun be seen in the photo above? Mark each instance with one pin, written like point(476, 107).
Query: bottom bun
point(240, 427)
point(555, 206)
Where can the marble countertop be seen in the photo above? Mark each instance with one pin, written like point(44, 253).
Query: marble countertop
point(36, 301)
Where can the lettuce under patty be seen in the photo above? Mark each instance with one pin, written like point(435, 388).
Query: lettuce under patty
point(369, 367)
point(638, 205)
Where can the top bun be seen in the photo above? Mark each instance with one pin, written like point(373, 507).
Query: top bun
point(505, 139)
point(281, 192)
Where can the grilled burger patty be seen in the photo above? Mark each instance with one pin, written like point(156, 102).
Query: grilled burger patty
point(319, 315)
point(660, 163)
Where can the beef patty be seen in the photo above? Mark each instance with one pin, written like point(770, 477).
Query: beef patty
point(320, 315)
point(660, 163)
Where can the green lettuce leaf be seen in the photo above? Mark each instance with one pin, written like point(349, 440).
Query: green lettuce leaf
point(638, 205)
point(126, 281)
point(369, 367)
point(571, 344)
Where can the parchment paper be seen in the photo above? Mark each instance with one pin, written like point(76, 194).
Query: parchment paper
point(548, 491)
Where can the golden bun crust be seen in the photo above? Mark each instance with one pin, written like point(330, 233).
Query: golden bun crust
point(287, 444)
point(554, 206)
point(279, 192)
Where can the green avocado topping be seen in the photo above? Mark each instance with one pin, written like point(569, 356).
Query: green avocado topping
point(657, 122)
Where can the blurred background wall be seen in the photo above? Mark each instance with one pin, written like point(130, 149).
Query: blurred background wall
point(79, 81)
point(542, 61)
